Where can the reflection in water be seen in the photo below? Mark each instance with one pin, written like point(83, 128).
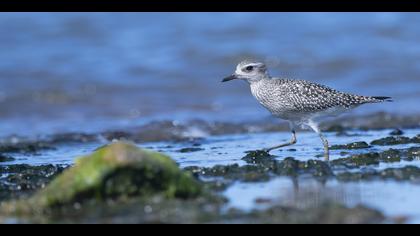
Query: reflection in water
point(311, 193)
point(395, 199)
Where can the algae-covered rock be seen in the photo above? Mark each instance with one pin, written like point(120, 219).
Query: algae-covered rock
point(359, 160)
point(192, 149)
point(392, 155)
point(264, 169)
point(416, 139)
point(355, 145)
point(407, 173)
point(114, 171)
point(392, 140)
point(374, 158)
point(413, 153)
point(258, 157)
point(246, 173)
point(6, 158)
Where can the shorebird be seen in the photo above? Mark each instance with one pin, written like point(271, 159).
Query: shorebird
point(300, 102)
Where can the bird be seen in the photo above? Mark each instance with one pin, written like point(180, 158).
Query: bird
point(300, 102)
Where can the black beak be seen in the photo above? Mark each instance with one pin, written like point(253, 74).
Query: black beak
point(229, 78)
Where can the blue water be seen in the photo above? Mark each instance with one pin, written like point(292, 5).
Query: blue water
point(394, 199)
point(90, 72)
point(229, 149)
point(95, 71)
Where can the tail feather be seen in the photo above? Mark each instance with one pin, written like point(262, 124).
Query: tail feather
point(382, 99)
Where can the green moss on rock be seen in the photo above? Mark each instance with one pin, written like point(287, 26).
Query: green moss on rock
point(374, 158)
point(192, 149)
point(115, 171)
point(359, 160)
point(355, 145)
point(391, 155)
point(258, 157)
point(392, 140)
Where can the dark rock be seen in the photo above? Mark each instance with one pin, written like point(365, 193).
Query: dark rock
point(25, 147)
point(6, 158)
point(119, 170)
point(288, 166)
point(355, 145)
point(396, 132)
point(358, 160)
point(22, 180)
point(388, 156)
point(247, 173)
point(413, 153)
point(259, 156)
point(187, 150)
point(416, 139)
point(393, 140)
point(408, 173)
point(391, 155)
point(317, 168)
point(263, 168)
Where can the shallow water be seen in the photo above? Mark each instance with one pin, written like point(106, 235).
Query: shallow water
point(229, 149)
point(99, 71)
point(90, 73)
point(395, 199)
point(63, 155)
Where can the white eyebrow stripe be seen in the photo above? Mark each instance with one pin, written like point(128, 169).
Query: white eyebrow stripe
point(251, 64)
point(238, 70)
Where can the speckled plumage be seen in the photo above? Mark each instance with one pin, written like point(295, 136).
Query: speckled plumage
point(298, 101)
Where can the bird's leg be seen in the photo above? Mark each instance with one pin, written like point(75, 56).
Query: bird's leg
point(326, 148)
point(315, 127)
point(292, 141)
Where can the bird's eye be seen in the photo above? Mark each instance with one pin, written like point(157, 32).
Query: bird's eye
point(249, 68)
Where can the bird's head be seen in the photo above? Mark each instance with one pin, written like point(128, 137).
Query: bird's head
point(250, 71)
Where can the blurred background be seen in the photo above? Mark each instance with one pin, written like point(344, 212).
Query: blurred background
point(86, 72)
